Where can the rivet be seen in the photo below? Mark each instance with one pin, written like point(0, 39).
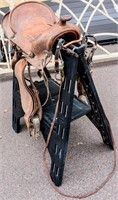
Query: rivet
point(31, 54)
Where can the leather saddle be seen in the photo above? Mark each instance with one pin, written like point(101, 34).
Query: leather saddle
point(33, 30)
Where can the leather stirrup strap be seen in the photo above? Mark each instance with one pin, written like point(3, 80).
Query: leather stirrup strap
point(26, 98)
point(39, 110)
point(29, 98)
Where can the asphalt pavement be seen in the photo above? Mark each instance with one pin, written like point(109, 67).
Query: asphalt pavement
point(88, 162)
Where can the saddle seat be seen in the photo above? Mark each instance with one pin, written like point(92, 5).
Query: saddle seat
point(34, 28)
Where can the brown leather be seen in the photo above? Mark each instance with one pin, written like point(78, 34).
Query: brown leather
point(34, 28)
point(28, 97)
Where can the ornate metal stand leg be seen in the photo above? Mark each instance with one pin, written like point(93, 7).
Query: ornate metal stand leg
point(97, 114)
point(17, 111)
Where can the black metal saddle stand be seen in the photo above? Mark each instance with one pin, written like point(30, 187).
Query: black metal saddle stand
point(70, 108)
